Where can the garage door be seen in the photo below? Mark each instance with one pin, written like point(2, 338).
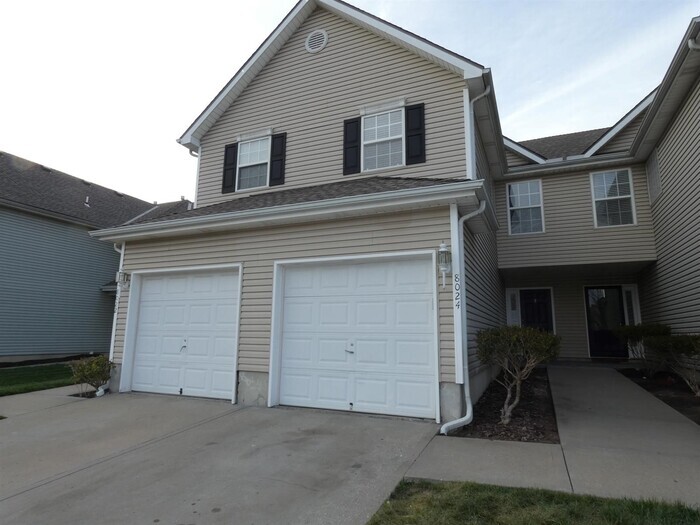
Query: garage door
point(360, 336)
point(186, 334)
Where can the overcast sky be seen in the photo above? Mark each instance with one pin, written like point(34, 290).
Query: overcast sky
point(101, 90)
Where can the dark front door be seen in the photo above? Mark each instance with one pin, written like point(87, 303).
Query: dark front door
point(605, 312)
point(536, 309)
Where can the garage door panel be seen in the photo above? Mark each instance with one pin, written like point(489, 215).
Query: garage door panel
point(187, 334)
point(356, 336)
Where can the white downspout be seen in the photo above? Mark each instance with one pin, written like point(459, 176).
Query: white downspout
point(470, 130)
point(120, 251)
point(467, 418)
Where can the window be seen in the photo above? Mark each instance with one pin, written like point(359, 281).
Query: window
point(382, 140)
point(525, 213)
point(612, 198)
point(253, 163)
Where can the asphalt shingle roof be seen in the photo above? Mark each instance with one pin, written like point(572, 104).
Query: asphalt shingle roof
point(364, 186)
point(559, 146)
point(32, 186)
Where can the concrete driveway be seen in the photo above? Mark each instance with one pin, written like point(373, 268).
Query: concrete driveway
point(138, 458)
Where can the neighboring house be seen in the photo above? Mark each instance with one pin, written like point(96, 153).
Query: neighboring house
point(602, 228)
point(333, 169)
point(55, 295)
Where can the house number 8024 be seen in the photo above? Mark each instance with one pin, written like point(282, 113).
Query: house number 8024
point(457, 290)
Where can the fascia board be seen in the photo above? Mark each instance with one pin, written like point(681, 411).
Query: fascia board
point(395, 34)
point(621, 124)
point(522, 151)
point(316, 210)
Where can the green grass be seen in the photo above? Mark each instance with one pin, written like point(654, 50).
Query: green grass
point(472, 504)
point(23, 379)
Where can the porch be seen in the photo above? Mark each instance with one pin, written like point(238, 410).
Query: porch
point(583, 304)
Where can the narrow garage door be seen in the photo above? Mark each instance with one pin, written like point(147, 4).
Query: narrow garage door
point(186, 334)
point(360, 336)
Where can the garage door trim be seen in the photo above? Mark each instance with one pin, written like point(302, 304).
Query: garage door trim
point(132, 316)
point(273, 394)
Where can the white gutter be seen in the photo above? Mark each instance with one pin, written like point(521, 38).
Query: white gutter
point(467, 418)
point(116, 300)
point(470, 130)
point(343, 206)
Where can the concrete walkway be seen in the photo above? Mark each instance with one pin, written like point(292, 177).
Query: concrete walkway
point(617, 440)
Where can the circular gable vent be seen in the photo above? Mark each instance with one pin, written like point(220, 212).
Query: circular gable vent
point(316, 41)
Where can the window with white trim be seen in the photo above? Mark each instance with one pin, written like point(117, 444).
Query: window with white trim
point(382, 140)
point(612, 198)
point(253, 163)
point(525, 211)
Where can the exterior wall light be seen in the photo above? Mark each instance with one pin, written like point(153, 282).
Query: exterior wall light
point(444, 259)
point(123, 280)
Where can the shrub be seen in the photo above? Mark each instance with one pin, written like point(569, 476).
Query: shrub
point(681, 354)
point(517, 350)
point(93, 371)
point(634, 337)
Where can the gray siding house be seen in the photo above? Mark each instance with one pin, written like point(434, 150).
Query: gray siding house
point(56, 282)
point(359, 218)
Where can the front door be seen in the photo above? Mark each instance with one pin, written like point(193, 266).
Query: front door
point(536, 309)
point(605, 313)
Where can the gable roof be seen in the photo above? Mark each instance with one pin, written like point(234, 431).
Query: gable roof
point(35, 188)
point(560, 146)
point(300, 12)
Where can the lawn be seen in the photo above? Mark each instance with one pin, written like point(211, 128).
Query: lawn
point(23, 379)
point(473, 504)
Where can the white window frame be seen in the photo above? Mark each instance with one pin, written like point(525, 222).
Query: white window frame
point(631, 197)
point(403, 139)
point(508, 207)
point(239, 166)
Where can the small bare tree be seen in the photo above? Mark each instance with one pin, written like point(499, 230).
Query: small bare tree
point(517, 350)
point(681, 354)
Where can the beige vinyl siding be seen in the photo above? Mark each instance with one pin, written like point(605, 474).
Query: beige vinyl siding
point(570, 305)
point(623, 140)
point(671, 288)
point(482, 167)
point(485, 301)
point(308, 96)
point(570, 234)
point(257, 250)
point(515, 160)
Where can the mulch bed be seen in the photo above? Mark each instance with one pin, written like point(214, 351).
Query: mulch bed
point(533, 419)
point(670, 389)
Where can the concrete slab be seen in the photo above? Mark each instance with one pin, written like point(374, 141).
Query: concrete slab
point(40, 445)
point(619, 440)
point(31, 402)
point(254, 465)
point(506, 463)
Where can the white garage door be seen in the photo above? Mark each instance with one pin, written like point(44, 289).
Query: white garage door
point(186, 334)
point(360, 336)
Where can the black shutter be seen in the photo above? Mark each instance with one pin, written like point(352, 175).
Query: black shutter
point(277, 154)
point(415, 134)
point(351, 146)
point(230, 163)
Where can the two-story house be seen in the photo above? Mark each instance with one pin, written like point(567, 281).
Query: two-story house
point(359, 217)
point(600, 228)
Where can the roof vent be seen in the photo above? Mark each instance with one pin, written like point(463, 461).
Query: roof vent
point(316, 41)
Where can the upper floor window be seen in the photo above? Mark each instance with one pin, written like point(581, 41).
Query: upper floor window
point(525, 213)
point(612, 198)
point(386, 137)
point(253, 163)
point(382, 140)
